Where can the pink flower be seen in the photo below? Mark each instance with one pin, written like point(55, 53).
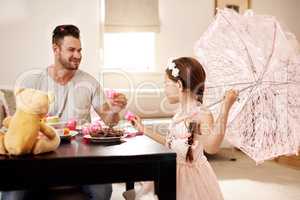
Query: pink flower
point(71, 124)
point(129, 116)
point(86, 130)
point(111, 94)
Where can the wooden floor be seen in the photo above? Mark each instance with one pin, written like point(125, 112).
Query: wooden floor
point(291, 161)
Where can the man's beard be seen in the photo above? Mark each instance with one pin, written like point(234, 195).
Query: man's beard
point(67, 64)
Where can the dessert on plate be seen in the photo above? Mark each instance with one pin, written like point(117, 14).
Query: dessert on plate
point(98, 129)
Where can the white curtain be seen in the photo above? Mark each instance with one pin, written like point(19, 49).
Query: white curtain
point(131, 16)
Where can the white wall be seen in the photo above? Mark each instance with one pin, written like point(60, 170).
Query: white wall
point(182, 23)
point(25, 34)
point(286, 11)
point(26, 26)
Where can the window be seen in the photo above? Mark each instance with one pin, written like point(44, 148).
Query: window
point(130, 51)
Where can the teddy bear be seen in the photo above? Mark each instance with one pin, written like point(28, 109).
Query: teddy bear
point(26, 132)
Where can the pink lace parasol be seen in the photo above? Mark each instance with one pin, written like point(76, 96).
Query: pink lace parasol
point(252, 53)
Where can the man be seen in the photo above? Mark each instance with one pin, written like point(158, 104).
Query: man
point(75, 93)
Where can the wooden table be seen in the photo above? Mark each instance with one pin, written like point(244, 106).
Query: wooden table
point(79, 163)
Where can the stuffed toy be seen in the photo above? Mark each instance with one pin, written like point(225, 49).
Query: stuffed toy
point(26, 133)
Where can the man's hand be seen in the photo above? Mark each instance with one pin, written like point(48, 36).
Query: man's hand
point(109, 111)
point(118, 102)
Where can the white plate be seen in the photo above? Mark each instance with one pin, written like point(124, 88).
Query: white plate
point(70, 135)
point(103, 139)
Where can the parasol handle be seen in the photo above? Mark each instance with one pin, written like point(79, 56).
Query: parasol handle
point(240, 91)
point(253, 85)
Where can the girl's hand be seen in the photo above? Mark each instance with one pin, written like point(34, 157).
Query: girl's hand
point(137, 123)
point(230, 97)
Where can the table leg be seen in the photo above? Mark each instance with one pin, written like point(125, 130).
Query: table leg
point(165, 186)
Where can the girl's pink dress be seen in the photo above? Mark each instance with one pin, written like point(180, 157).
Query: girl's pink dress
point(195, 180)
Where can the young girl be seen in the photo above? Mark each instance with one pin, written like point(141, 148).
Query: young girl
point(192, 130)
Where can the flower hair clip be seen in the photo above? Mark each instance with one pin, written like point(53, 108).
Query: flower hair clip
point(172, 67)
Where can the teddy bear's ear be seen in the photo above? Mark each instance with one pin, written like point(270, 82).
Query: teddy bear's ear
point(51, 97)
point(19, 90)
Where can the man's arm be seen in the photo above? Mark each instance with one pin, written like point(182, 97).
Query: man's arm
point(108, 115)
point(109, 111)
